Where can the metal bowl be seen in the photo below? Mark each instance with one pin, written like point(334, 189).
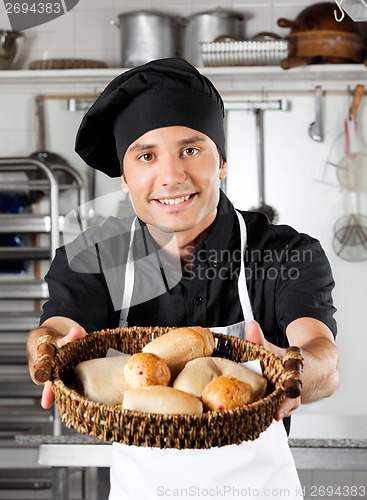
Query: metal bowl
point(9, 47)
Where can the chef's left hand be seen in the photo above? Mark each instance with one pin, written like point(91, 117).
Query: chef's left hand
point(254, 334)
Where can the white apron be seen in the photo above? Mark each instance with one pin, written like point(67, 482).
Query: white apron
point(260, 469)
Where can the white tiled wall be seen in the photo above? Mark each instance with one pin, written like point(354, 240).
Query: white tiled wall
point(86, 32)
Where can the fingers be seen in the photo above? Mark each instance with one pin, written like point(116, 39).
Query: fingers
point(48, 397)
point(254, 333)
point(75, 333)
point(287, 407)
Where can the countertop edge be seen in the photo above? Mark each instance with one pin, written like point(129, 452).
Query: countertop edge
point(39, 439)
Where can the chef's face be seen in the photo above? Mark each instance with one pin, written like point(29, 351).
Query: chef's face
point(173, 176)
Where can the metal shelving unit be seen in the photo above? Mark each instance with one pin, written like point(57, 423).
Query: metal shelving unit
point(21, 297)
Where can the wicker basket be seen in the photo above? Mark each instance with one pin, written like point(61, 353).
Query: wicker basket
point(206, 430)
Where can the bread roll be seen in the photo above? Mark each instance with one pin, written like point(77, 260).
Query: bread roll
point(102, 379)
point(199, 372)
point(230, 368)
point(161, 399)
point(196, 375)
point(181, 345)
point(226, 393)
point(144, 369)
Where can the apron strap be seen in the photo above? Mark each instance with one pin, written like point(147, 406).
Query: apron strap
point(242, 285)
point(129, 278)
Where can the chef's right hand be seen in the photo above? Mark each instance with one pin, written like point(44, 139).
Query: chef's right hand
point(75, 333)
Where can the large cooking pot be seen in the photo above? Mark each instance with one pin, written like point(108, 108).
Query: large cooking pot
point(207, 27)
point(146, 35)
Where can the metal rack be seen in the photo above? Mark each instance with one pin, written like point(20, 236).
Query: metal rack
point(22, 295)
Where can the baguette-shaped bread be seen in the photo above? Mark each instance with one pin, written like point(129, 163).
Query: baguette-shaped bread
point(144, 369)
point(199, 372)
point(226, 393)
point(181, 345)
point(102, 379)
point(161, 399)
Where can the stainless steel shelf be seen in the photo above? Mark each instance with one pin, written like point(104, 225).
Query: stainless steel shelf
point(21, 289)
point(12, 353)
point(19, 321)
point(38, 185)
point(27, 223)
point(24, 253)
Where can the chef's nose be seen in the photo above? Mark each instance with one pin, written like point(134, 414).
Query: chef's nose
point(171, 172)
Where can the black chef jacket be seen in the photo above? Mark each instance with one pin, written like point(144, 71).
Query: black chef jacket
point(288, 276)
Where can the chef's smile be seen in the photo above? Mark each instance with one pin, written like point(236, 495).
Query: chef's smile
point(176, 202)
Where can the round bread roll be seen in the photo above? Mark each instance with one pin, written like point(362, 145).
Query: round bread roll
point(181, 345)
point(230, 368)
point(226, 393)
point(102, 379)
point(199, 372)
point(161, 399)
point(144, 369)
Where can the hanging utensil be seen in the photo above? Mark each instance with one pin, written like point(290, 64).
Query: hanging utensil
point(269, 211)
point(350, 236)
point(315, 129)
point(350, 231)
point(352, 168)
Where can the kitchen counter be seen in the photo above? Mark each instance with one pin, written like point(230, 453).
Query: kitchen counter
point(341, 452)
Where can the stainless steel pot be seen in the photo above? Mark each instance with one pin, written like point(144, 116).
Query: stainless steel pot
point(206, 27)
point(146, 35)
point(9, 47)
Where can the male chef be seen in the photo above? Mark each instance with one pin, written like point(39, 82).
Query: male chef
point(160, 128)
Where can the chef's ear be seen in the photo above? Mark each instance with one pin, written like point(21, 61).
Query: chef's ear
point(124, 186)
point(222, 169)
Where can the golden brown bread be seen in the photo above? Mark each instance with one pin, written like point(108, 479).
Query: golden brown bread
point(144, 369)
point(181, 345)
point(230, 368)
point(161, 399)
point(199, 372)
point(196, 375)
point(102, 379)
point(226, 393)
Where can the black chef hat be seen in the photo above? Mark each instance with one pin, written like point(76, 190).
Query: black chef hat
point(158, 94)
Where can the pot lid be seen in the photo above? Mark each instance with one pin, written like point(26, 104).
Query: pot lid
point(143, 12)
point(220, 13)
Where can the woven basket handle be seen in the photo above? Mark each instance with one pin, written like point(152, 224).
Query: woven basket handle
point(43, 364)
point(293, 365)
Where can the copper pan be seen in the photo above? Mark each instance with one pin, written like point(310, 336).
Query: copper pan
point(319, 17)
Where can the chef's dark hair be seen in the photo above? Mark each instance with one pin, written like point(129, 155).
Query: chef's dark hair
point(161, 93)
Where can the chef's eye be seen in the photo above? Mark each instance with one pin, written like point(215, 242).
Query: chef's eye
point(189, 151)
point(146, 157)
